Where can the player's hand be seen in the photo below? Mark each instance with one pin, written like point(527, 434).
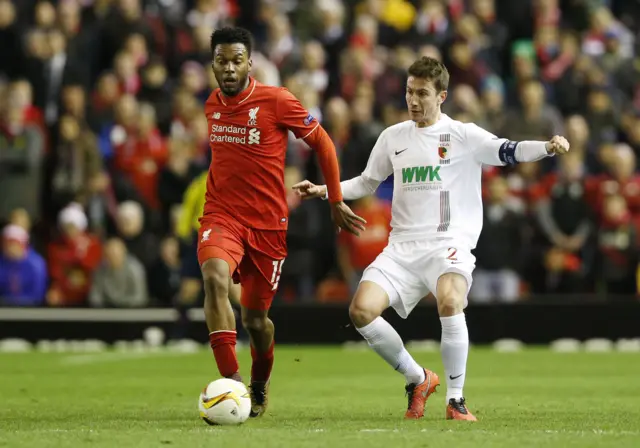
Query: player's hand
point(307, 190)
point(345, 219)
point(558, 145)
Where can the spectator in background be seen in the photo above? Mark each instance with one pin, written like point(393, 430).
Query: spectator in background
point(356, 253)
point(77, 254)
point(563, 214)
point(156, 91)
point(21, 159)
point(493, 101)
point(23, 272)
point(103, 102)
point(77, 168)
point(621, 179)
point(176, 176)
point(499, 249)
point(164, 277)
point(535, 119)
point(131, 229)
point(562, 211)
point(142, 155)
point(617, 263)
point(120, 281)
point(120, 132)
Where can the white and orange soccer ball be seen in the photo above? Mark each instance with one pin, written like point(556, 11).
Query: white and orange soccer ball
point(224, 402)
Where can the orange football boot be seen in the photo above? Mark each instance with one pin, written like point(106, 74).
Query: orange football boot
point(418, 394)
point(457, 410)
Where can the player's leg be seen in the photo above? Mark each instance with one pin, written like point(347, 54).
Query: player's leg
point(261, 338)
point(365, 312)
point(261, 276)
point(375, 293)
point(220, 250)
point(451, 294)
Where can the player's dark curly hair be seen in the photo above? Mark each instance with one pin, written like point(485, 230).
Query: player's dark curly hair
point(232, 35)
point(432, 70)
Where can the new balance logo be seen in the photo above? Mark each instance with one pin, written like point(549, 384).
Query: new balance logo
point(253, 116)
point(254, 136)
point(205, 235)
point(216, 116)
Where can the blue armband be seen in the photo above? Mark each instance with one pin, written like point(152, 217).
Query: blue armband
point(507, 152)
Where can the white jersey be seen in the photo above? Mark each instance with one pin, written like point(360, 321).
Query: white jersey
point(437, 178)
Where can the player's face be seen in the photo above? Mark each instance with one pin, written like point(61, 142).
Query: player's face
point(423, 100)
point(231, 66)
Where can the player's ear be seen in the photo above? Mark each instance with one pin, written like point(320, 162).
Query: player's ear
point(442, 96)
point(250, 64)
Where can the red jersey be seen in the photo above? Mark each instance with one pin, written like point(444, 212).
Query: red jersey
point(248, 136)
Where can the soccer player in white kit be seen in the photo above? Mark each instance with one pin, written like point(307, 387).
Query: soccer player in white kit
point(436, 221)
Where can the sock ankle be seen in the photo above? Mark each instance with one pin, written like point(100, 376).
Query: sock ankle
point(223, 344)
point(454, 350)
point(262, 364)
point(386, 342)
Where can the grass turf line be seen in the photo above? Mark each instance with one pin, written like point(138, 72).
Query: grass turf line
point(319, 397)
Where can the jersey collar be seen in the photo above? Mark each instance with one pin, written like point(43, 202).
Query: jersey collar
point(240, 97)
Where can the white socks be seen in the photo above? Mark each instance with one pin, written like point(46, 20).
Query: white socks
point(387, 343)
point(454, 347)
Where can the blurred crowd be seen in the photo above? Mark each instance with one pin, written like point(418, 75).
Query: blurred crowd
point(103, 140)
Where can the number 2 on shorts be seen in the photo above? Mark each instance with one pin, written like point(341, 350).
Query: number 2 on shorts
point(452, 251)
point(277, 270)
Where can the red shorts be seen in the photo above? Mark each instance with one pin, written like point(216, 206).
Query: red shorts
point(255, 256)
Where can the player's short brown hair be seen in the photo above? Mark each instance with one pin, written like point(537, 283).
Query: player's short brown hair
point(432, 70)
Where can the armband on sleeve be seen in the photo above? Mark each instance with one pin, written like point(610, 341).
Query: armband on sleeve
point(507, 152)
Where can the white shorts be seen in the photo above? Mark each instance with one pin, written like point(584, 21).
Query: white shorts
point(409, 270)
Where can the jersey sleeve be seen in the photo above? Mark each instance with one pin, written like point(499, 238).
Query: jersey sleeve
point(379, 165)
point(484, 145)
point(492, 150)
point(293, 116)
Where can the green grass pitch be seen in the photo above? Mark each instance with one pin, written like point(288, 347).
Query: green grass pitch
point(320, 397)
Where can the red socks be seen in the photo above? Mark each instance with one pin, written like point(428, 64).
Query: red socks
point(262, 364)
point(223, 344)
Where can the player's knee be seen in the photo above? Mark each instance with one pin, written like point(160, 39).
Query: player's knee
point(215, 275)
point(450, 304)
point(254, 323)
point(361, 315)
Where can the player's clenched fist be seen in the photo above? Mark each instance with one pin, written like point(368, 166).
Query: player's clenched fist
point(558, 145)
point(342, 215)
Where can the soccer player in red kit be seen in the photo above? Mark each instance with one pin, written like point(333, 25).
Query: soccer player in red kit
point(243, 229)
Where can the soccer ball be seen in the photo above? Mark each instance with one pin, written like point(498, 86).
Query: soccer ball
point(224, 402)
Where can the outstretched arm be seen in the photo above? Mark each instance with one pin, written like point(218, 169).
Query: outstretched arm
point(491, 150)
point(355, 188)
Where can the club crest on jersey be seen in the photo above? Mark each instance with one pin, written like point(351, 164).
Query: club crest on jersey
point(253, 116)
point(310, 119)
point(443, 149)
